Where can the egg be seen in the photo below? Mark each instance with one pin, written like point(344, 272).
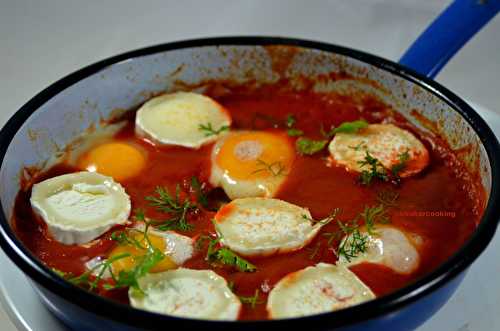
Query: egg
point(119, 160)
point(177, 249)
point(251, 163)
point(79, 207)
point(199, 294)
point(182, 119)
point(385, 142)
point(261, 226)
point(388, 246)
point(314, 290)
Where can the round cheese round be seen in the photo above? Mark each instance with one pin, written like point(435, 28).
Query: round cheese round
point(79, 207)
point(387, 143)
point(182, 118)
point(200, 294)
point(261, 227)
point(314, 290)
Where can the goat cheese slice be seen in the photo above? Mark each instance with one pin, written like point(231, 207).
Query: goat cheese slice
point(199, 294)
point(314, 290)
point(79, 207)
point(385, 142)
point(178, 119)
point(264, 226)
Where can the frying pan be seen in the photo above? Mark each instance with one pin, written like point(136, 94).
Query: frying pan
point(34, 136)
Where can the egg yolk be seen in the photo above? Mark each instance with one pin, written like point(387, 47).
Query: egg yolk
point(116, 159)
point(136, 253)
point(256, 155)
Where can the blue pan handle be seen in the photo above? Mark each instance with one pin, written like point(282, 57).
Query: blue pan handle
point(447, 34)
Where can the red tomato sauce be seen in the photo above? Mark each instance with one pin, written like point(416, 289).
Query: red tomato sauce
point(312, 183)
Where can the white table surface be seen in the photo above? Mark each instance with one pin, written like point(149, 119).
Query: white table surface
point(41, 41)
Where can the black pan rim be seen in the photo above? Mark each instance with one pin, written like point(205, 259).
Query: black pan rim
point(141, 319)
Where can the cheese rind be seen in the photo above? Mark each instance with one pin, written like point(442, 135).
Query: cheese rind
point(385, 142)
point(175, 119)
point(199, 294)
point(314, 290)
point(79, 207)
point(262, 227)
point(388, 246)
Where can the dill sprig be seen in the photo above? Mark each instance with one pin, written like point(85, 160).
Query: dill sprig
point(201, 198)
point(253, 300)
point(401, 165)
point(373, 215)
point(208, 130)
point(388, 198)
point(166, 203)
point(291, 130)
point(355, 243)
point(376, 170)
point(275, 168)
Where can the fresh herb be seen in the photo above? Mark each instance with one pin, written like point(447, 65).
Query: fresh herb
point(332, 216)
point(355, 243)
point(373, 215)
point(306, 146)
point(350, 127)
point(358, 147)
point(314, 251)
point(124, 239)
point(251, 300)
point(388, 198)
point(165, 202)
point(210, 131)
point(225, 256)
point(345, 127)
point(402, 163)
point(376, 170)
point(201, 198)
point(294, 132)
point(61, 273)
point(290, 121)
point(91, 277)
point(275, 169)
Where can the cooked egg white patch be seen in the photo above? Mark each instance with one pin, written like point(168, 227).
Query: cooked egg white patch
point(200, 294)
point(261, 227)
point(385, 142)
point(388, 246)
point(176, 247)
point(251, 164)
point(176, 119)
point(314, 290)
point(79, 207)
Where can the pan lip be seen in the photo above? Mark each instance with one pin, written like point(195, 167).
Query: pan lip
point(122, 313)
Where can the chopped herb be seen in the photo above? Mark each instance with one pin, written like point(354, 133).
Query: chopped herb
point(402, 163)
point(358, 147)
point(388, 198)
point(139, 215)
point(350, 127)
point(294, 132)
point(225, 256)
point(275, 169)
point(354, 244)
point(306, 146)
point(373, 215)
point(376, 170)
point(201, 198)
point(210, 131)
point(333, 215)
point(89, 279)
point(61, 273)
point(173, 205)
point(290, 121)
point(314, 251)
point(251, 300)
